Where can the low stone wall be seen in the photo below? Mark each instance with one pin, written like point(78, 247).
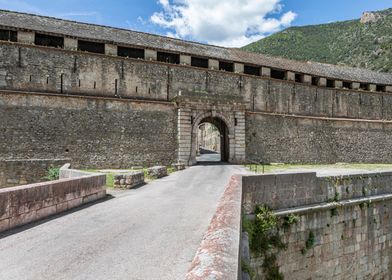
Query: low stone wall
point(350, 240)
point(218, 255)
point(26, 171)
point(128, 180)
point(157, 171)
point(280, 191)
point(346, 235)
point(24, 204)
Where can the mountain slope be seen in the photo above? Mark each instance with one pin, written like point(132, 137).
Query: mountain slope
point(365, 43)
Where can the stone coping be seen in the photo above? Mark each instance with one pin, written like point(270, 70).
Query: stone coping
point(331, 205)
point(218, 256)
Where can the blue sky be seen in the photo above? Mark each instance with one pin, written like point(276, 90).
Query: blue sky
point(221, 22)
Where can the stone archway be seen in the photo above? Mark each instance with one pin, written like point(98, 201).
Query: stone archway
point(224, 131)
point(232, 122)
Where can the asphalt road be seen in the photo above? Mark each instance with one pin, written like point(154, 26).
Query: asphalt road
point(151, 232)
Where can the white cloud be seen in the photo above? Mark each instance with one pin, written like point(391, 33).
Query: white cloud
point(231, 23)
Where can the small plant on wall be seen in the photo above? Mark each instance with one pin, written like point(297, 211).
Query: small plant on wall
point(52, 174)
point(265, 240)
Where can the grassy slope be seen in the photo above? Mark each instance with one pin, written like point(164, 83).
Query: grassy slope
point(348, 43)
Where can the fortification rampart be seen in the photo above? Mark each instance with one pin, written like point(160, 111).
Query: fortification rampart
point(93, 132)
point(272, 109)
point(42, 69)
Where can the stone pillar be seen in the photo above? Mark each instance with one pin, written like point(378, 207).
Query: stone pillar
point(26, 37)
point(110, 49)
point(290, 76)
point(238, 68)
point(308, 79)
point(265, 72)
point(213, 64)
point(388, 88)
point(355, 85)
point(338, 84)
point(185, 59)
point(150, 54)
point(70, 44)
point(184, 135)
point(239, 131)
point(322, 82)
point(372, 87)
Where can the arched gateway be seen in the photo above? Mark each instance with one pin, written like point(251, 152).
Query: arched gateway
point(231, 126)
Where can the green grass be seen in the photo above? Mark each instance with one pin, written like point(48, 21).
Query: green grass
point(290, 167)
point(110, 175)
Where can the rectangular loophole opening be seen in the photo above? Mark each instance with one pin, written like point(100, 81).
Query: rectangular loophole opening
point(168, 57)
point(278, 74)
point(252, 70)
point(8, 35)
point(299, 78)
point(199, 62)
point(49, 40)
point(94, 47)
point(330, 83)
point(364, 86)
point(347, 85)
point(226, 66)
point(315, 81)
point(381, 88)
point(130, 52)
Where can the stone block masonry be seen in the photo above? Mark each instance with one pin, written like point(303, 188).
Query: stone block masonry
point(157, 171)
point(94, 132)
point(97, 132)
point(344, 236)
point(291, 139)
point(26, 171)
point(129, 180)
point(24, 204)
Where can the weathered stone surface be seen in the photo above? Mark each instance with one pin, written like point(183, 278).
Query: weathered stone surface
point(26, 171)
point(218, 254)
point(129, 180)
point(178, 166)
point(157, 171)
point(274, 138)
point(114, 133)
point(355, 228)
point(24, 204)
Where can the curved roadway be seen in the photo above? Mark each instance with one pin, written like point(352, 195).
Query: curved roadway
point(151, 232)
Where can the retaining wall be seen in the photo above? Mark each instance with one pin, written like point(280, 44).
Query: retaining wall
point(24, 204)
point(349, 217)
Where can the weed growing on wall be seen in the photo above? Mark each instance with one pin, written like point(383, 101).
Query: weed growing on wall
point(52, 174)
point(265, 239)
point(309, 243)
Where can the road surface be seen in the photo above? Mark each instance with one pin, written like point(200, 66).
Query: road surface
point(148, 233)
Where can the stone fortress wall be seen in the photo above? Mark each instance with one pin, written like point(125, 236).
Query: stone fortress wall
point(103, 107)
